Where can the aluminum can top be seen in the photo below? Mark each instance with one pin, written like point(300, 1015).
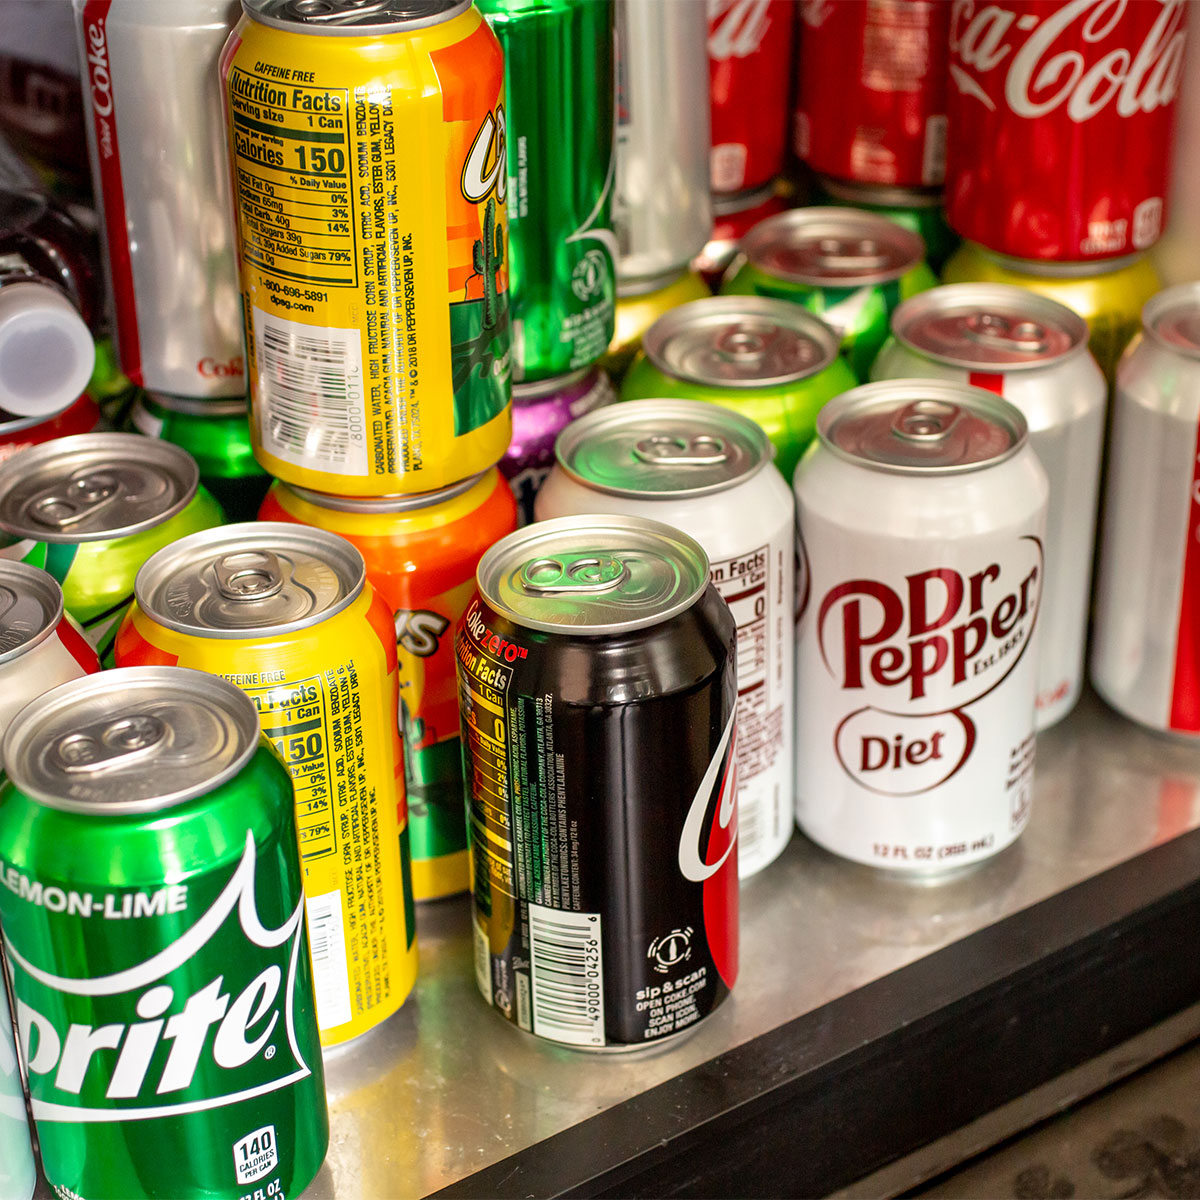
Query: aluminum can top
point(95, 486)
point(660, 448)
point(833, 247)
point(880, 195)
point(593, 574)
point(539, 389)
point(379, 505)
point(352, 18)
point(31, 606)
point(262, 577)
point(981, 326)
point(1172, 318)
point(740, 342)
point(729, 204)
point(130, 740)
point(921, 427)
point(199, 406)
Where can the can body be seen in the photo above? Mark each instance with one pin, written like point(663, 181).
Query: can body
point(638, 308)
point(82, 417)
point(382, 320)
point(162, 186)
point(17, 1171)
point(871, 101)
point(1080, 98)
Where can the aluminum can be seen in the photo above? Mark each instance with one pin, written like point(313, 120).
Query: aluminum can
point(605, 864)
point(1109, 296)
point(1061, 119)
point(851, 268)
point(216, 434)
point(733, 217)
point(289, 616)
point(1146, 628)
point(769, 360)
point(373, 237)
point(540, 412)
point(1032, 351)
point(91, 509)
point(18, 1175)
point(162, 189)
point(639, 305)
point(420, 553)
point(750, 44)
point(20, 433)
point(921, 511)
point(662, 212)
point(871, 90)
point(558, 62)
point(701, 469)
point(171, 1046)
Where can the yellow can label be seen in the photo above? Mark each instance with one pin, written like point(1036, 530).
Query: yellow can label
point(369, 178)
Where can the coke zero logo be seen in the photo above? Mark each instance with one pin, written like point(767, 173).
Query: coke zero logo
point(693, 861)
point(736, 27)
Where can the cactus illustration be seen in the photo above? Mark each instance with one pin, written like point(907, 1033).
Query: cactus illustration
point(487, 257)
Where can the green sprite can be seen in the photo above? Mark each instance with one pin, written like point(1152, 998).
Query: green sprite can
point(91, 509)
point(558, 64)
point(216, 433)
point(769, 360)
point(851, 268)
point(153, 916)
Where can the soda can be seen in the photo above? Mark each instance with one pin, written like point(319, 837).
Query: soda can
point(767, 359)
point(750, 45)
point(420, 553)
point(1109, 296)
point(289, 616)
point(372, 229)
point(1032, 351)
point(540, 412)
point(851, 268)
point(603, 802)
point(921, 511)
point(639, 305)
point(162, 190)
point(216, 433)
point(562, 277)
point(18, 1174)
point(733, 217)
point(22, 432)
point(871, 90)
point(662, 211)
point(91, 509)
point(171, 1047)
point(700, 469)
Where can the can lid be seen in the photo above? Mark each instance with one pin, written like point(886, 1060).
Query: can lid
point(31, 606)
point(880, 195)
point(593, 574)
point(730, 204)
point(130, 740)
point(1049, 269)
point(94, 486)
point(740, 342)
point(261, 577)
point(987, 325)
point(356, 18)
point(921, 427)
point(1173, 318)
point(218, 406)
point(539, 389)
point(833, 247)
point(662, 449)
point(372, 505)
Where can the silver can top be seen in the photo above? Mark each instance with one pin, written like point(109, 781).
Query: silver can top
point(196, 406)
point(593, 574)
point(94, 486)
point(354, 18)
point(921, 427)
point(740, 342)
point(982, 326)
point(833, 247)
point(380, 505)
point(261, 577)
point(539, 389)
point(1172, 318)
point(31, 606)
point(130, 740)
point(662, 449)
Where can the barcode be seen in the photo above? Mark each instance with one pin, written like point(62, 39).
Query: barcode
point(483, 961)
point(327, 938)
point(311, 409)
point(568, 977)
point(933, 168)
point(750, 830)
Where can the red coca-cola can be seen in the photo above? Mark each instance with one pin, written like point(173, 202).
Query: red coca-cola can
point(1061, 118)
point(871, 99)
point(749, 73)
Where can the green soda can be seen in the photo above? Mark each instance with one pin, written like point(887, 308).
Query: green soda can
point(769, 360)
point(91, 509)
point(153, 920)
point(851, 268)
point(558, 68)
point(216, 433)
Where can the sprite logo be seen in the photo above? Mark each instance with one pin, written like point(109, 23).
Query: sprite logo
point(204, 1022)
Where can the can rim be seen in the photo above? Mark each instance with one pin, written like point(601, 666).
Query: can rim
point(17, 424)
point(1161, 303)
point(880, 195)
point(642, 285)
point(453, 9)
point(374, 505)
point(218, 406)
point(732, 204)
point(537, 389)
point(48, 591)
point(1045, 268)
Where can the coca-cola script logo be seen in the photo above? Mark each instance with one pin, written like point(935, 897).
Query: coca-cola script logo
point(1075, 57)
point(736, 27)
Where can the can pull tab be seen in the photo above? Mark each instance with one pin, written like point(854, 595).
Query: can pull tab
point(925, 420)
point(248, 575)
point(574, 573)
point(80, 497)
point(851, 254)
point(744, 342)
point(994, 329)
point(662, 450)
point(109, 743)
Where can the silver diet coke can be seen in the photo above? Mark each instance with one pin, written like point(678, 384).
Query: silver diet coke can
point(1032, 351)
point(922, 514)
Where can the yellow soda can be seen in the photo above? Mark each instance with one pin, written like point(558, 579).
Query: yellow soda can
point(368, 153)
point(287, 614)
